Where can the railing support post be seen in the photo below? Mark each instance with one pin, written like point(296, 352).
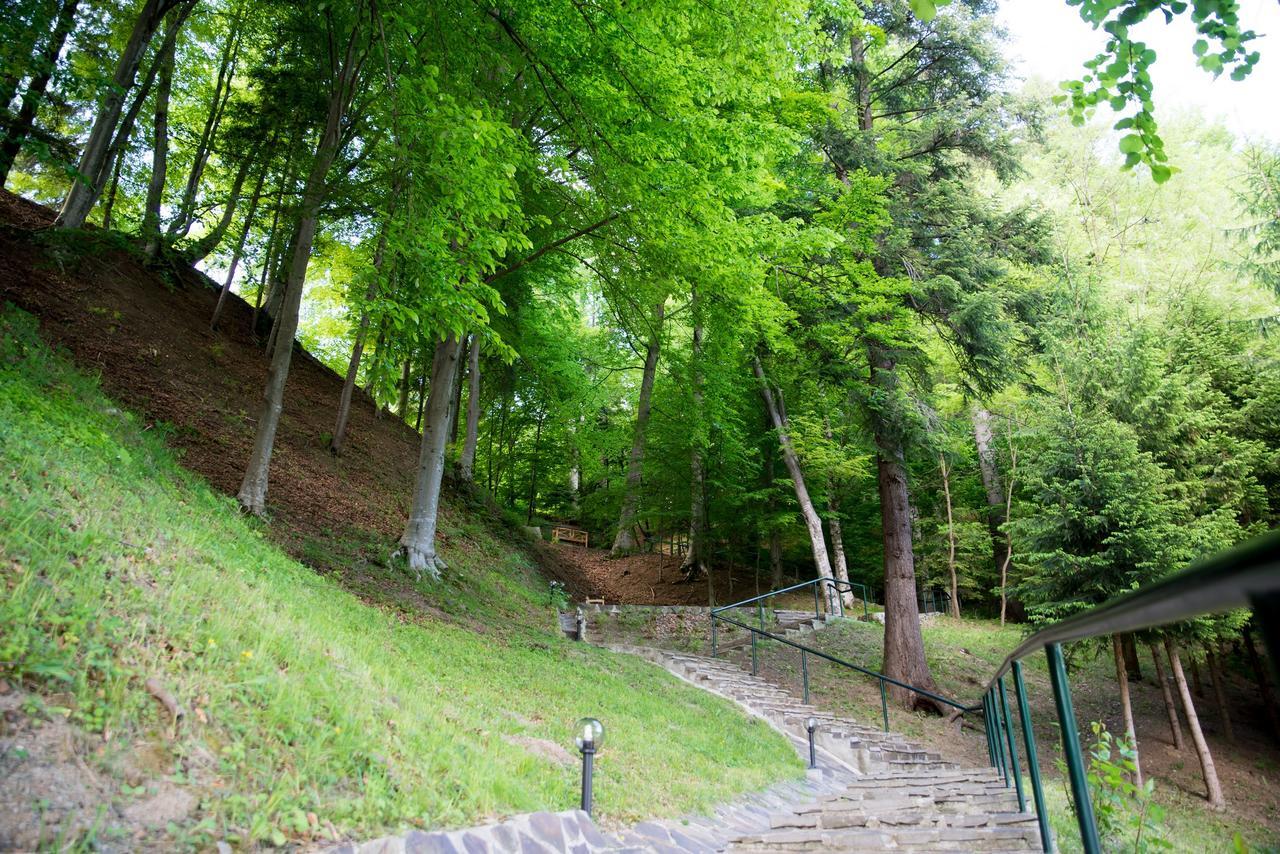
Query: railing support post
point(986, 725)
point(817, 611)
point(1013, 748)
point(804, 670)
point(1033, 761)
point(713, 635)
point(884, 705)
point(997, 724)
point(1071, 749)
point(755, 663)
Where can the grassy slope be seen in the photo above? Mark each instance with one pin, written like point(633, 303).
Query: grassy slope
point(118, 565)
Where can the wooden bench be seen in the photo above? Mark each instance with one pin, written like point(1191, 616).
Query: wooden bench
point(570, 535)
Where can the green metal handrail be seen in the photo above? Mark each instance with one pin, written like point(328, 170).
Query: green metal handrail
point(1245, 576)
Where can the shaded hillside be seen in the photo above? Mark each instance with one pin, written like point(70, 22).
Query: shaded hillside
point(146, 333)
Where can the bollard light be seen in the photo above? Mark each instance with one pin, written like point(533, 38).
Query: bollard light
point(812, 724)
point(589, 738)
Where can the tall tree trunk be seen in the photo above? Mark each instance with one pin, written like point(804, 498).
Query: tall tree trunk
point(625, 540)
point(533, 470)
point(1175, 729)
point(111, 197)
point(1219, 693)
point(235, 256)
point(693, 565)
point(418, 543)
point(357, 350)
point(42, 70)
point(160, 144)
point(1216, 800)
point(984, 439)
point(111, 161)
point(455, 408)
point(838, 562)
point(184, 217)
point(775, 536)
point(954, 604)
point(1264, 683)
point(253, 489)
point(467, 460)
point(904, 657)
point(812, 521)
point(1008, 537)
point(1126, 707)
point(1131, 664)
point(402, 401)
point(82, 196)
point(200, 249)
point(422, 391)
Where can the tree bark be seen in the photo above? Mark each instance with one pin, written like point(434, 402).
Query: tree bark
point(984, 439)
point(838, 563)
point(1224, 712)
point(812, 521)
point(42, 69)
point(954, 604)
point(625, 541)
point(904, 657)
point(253, 489)
point(235, 256)
point(693, 565)
point(160, 144)
point(1214, 788)
point(418, 543)
point(455, 408)
point(84, 192)
point(467, 460)
point(1131, 664)
point(1126, 706)
point(1264, 683)
point(1175, 729)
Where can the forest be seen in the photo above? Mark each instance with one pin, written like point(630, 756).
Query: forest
point(793, 289)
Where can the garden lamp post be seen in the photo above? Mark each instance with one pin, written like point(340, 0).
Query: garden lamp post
point(811, 724)
point(589, 737)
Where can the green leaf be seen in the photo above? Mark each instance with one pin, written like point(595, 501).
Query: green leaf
point(1131, 144)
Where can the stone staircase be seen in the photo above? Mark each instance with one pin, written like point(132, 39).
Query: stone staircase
point(872, 791)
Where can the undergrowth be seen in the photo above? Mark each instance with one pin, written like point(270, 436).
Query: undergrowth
point(119, 566)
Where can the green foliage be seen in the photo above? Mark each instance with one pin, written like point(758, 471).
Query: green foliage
point(1127, 815)
point(1120, 75)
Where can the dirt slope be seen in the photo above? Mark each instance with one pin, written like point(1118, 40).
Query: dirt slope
point(148, 337)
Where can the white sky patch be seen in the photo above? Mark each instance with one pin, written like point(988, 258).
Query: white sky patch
point(1048, 40)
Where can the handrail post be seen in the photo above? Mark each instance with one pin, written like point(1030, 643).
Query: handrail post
point(1000, 749)
point(1013, 748)
point(1033, 762)
point(804, 669)
point(713, 635)
point(986, 726)
point(865, 615)
point(755, 663)
point(816, 608)
point(1071, 749)
point(840, 599)
point(884, 705)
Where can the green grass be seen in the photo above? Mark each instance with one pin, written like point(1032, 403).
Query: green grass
point(118, 566)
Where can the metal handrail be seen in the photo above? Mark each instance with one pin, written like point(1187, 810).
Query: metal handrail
point(1230, 579)
point(1247, 575)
